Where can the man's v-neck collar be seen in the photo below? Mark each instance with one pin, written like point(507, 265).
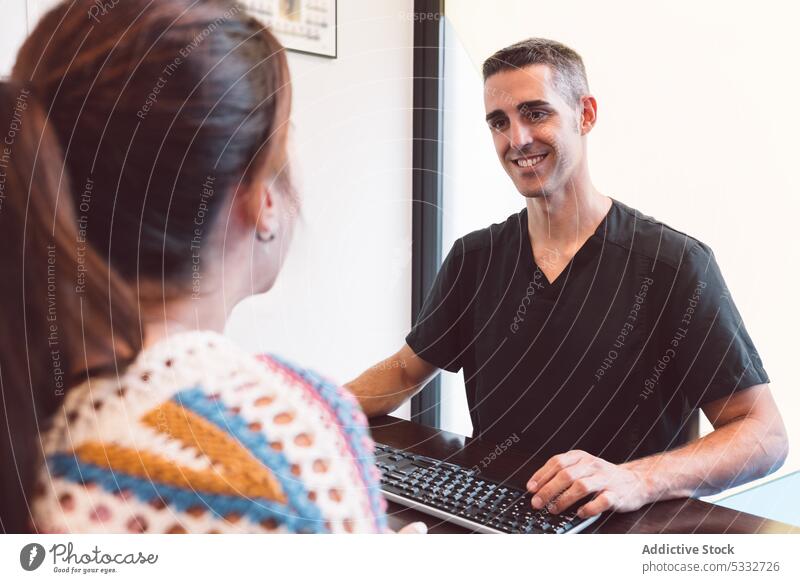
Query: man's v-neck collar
point(585, 253)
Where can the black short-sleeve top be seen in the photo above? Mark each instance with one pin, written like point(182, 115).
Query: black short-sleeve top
point(611, 357)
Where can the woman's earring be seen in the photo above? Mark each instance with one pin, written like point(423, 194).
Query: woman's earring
point(268, 237)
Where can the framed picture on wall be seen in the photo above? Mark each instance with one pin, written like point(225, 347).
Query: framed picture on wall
point(306, 26)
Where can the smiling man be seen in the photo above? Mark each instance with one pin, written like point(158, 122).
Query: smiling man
point(587, 329)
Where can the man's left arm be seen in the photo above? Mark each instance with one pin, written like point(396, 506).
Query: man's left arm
point(748, 442)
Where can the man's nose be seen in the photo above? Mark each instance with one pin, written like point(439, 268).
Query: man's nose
point(519, 136)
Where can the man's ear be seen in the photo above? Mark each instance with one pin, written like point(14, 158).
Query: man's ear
point(588, 114)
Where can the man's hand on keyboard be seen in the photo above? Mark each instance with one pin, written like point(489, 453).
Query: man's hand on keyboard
point(569, 477)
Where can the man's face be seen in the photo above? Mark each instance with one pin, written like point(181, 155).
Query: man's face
point(536, 133)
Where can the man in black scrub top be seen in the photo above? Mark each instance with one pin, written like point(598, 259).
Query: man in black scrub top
point(586, 328)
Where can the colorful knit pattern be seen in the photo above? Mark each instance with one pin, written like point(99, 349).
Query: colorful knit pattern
point(200, 437)
point(345, 411)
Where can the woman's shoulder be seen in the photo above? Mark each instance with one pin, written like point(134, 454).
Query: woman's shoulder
point(202, 436)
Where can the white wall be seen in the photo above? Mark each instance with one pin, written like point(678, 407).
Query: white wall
point(18, 18)
point(696, 127)
point(13, 29)
point(343, 300)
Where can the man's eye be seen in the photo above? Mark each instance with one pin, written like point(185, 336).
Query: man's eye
point(534, 115)
point(497, 124)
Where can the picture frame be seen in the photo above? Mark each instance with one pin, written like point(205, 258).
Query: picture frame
point(303, 26)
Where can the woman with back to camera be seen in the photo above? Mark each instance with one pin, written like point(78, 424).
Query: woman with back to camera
point(145, 192)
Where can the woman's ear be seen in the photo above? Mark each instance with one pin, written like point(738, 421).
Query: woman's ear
point(267, 220)
point(256, 209)
point(267, 207)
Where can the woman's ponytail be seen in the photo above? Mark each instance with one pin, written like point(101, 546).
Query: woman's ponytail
point(55, 291)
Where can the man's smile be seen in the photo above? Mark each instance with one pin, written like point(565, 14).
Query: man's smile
point(529, 161)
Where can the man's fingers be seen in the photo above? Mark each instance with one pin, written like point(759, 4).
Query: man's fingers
point(605, 501)
point(562, 481)
point(554, 465)
point(579, 489)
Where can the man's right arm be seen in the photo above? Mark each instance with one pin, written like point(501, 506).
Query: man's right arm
point(387, 385)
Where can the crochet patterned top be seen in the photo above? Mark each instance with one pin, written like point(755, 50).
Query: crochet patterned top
point(199, 436)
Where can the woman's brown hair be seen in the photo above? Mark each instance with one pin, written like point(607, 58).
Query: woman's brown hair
point(128, 126)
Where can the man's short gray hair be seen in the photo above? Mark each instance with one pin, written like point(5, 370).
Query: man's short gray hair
point(567, 65)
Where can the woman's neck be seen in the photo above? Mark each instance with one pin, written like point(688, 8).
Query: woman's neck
point(159, 320)
point(184, 315)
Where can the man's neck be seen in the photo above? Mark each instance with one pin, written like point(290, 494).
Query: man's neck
point(565, 220)
point(560, 224)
